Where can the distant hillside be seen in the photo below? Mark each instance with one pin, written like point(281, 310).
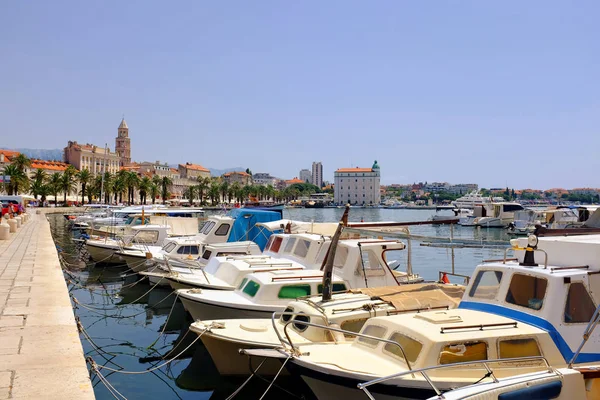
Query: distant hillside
point(43, 154)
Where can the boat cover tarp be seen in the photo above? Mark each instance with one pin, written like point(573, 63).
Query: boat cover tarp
point(179, 226)
point(418, 296)
point(245, 225)
point(594, 220)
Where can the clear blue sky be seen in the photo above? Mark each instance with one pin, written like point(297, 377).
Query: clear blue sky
point(497, 93)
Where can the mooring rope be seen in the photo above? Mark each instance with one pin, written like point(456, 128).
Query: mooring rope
point(166, 322)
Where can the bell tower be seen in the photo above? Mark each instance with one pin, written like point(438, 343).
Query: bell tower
point(123, 144)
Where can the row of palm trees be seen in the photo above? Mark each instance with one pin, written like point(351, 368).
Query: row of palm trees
point(128, 186)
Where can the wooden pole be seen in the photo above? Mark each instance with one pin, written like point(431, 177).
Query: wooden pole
point(328, 269)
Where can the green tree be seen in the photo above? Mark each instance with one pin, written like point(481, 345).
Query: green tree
point(22, 162)
point(18, 179)
point(38, 181)
point(132, 181)
point(165, 182)
point(84, 176)
point(68, 182)
point(144, 186)
point(225, 191)
point(214, 192)
point(203, 185)
point(154, 191)
point(55, 185)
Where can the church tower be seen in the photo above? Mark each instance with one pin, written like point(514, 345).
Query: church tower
point(123, 144)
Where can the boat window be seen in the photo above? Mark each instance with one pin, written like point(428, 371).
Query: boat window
point(353, 325)
point(207, 227)
point(370, 264)
point(512, 207)
point(276, 244)
point(243, 283)
point(289, 245)
point(514, 348)
point(372, 330)
point(222, 230)
point(206, 254)
point(463, 352)
point(411, 347)
point(341, 256)
point(527, 291)
point(393, 258)
point(301, 327)
point(146, 237)
point(579, 307)
point(286, 316)
point(187, 250)
point(322, 254)
point(251, 288)
point(301, 249)
point(269, 242)
point(336, 287)
point(167, 248)
point(294, 291)
point(486, 284)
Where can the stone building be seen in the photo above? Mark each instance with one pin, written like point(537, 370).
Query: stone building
point(193, 171)
point(123, 144)
point(94, 158)
point(241, 177)
point(358, 186)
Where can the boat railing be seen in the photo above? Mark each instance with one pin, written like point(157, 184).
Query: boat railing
point(166, 258)
point(423, 371)
point(294, 349)
point(441, 274)
point(278, 314)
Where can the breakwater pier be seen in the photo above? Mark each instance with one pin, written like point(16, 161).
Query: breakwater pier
point(40, 351)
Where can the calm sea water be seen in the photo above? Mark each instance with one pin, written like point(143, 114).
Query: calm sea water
point(132, 326)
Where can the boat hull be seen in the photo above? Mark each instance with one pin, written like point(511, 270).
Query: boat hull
point(228, 360)
point(103, 254)
point(136, 263)
point(331, 387)
point(205, 311)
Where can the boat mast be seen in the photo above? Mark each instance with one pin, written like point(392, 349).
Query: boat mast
point(103, 170)
point(328, 269)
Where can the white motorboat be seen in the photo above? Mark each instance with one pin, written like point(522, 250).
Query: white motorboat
point(349, 311)
point(357, 263)
point(470, 200)
point(515, 310)
point(502, 215)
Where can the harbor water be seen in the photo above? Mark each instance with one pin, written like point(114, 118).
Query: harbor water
point(129, 326)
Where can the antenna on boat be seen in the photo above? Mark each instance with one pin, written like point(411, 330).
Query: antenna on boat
point(328, 268)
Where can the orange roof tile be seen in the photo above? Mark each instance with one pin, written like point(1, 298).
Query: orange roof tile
point(354, 170)
point(49, 165)
point(295, 180)
point(194, 167)
point(236, 172)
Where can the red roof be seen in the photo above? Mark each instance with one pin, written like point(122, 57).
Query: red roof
point(8, 154)
point(236, 172)
point(194, 167)
point(295, 180)
point(354, 170)
point(49, 165)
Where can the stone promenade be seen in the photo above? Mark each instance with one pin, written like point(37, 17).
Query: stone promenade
point(40, 351)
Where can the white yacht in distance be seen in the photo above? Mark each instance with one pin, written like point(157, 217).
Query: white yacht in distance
point(470, 200)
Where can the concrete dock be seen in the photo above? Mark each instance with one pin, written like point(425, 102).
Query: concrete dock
point(41, 356)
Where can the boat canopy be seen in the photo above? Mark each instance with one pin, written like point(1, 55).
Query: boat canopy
point(245, 225)
point(319, 228)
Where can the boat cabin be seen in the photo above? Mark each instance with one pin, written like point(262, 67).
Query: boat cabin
point(556, 287)
point(153, 235)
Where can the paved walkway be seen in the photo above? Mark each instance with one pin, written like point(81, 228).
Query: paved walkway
point(40, 352)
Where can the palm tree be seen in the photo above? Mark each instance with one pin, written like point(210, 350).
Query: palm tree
point(190, 192)
point(38, 182)
point(235, 190)
point(54, 185)
point(132, 181)
point(270, 192)
point(144, 187)
point(107, 186)
point(22, 162)
point(214, 192)
point(68, 182)
point(84, 177)
point(225, 191)
point(203, 184)
point(18, 179)
point(165, 182)
point(154, 192)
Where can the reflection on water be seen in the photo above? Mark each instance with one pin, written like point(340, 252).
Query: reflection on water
point(134, 326)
